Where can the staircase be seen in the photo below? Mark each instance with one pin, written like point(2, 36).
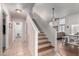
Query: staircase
point(44, 46)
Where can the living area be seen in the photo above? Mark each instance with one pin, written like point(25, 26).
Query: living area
point(68, 35)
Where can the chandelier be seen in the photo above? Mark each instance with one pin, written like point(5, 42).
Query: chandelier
point(54, 19)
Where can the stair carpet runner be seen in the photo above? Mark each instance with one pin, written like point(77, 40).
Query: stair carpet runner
point(44, 46)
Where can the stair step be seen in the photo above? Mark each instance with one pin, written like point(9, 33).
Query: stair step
point(47, 52)
point(44, 49)
point(50, 52)
point(42, 37)
point(44, 45)
point(42, 40)
point(41, 34)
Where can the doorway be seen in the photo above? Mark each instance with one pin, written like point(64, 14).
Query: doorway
point(4, 31)
point(17, 30)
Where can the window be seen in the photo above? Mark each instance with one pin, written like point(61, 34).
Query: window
point(75, 28)
point(62, 21)
point(61, 27)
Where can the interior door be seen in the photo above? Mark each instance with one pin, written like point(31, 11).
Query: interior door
point(17, 29)
point(4, 31)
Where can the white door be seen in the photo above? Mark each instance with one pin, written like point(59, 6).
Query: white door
point(17, 30)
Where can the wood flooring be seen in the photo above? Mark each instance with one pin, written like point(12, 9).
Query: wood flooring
point(67, 49)
point(19, 48)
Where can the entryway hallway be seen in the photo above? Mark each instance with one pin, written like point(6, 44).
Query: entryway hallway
point(16, 30)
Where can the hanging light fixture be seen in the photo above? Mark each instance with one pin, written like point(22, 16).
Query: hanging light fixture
point(54, 19)
point(52, 23)
point(53, 14)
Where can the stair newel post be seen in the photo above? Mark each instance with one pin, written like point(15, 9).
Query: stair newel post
point(56, 41)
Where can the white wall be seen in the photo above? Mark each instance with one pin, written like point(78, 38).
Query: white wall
point(71, 20)
point(44, 26)
point(1, 37)
point(32, 35)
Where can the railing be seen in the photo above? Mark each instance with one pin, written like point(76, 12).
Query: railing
point(34, 26)
point(37, 26)
point(32, 32)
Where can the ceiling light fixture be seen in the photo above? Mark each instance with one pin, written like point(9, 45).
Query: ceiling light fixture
point(18, 10)
point(54, 19)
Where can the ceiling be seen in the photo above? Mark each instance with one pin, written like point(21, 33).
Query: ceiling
point(44, 9)
point(61, 9)
point(22, 6)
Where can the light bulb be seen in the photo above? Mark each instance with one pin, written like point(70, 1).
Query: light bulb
point(18, 10)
